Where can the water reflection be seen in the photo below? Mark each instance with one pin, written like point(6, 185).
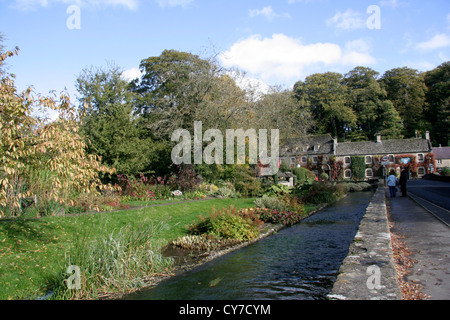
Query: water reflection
point(300, 262)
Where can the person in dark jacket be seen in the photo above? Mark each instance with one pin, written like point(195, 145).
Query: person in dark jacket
point(403, 180)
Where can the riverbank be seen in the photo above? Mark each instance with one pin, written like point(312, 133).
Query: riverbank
point(186, 261)
point(369, 272)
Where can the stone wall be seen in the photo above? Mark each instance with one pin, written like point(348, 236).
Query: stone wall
point(368, 272)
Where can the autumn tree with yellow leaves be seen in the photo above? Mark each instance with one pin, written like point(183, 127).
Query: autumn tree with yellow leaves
point(41, 159)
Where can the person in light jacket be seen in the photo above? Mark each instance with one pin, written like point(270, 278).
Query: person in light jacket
point(392, 183)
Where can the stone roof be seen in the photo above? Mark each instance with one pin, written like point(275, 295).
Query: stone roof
point(324, 145)
point(311, 145)
point(384, 147)
point(442, 152)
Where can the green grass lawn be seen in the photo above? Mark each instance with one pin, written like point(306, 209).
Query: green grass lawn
point(32, 251)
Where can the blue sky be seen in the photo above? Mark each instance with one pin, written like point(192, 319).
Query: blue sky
point(275, 42)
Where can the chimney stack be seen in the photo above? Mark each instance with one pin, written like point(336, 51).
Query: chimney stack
point(378, 137)
point(427, 135)
point(335, 143)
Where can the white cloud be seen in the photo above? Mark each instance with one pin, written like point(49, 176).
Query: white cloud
point(268, 13)
point(348, 20)
point(173, 3)
point(441, 40)
point(286, 59)
point(131, 74)
point(34, 4)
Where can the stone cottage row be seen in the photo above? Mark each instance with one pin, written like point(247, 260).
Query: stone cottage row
point(364, 160)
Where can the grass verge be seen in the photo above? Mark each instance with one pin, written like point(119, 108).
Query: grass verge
point(34, 253)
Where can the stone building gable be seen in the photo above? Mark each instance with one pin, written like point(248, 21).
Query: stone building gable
point(442, 153)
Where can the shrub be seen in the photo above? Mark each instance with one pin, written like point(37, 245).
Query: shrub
point(226, 192)
point(245, 182)
point(358, 167)
point(90, 201)
point(251, 216)
point(225, 223)
point(303, 175)
point(274, 216)
point(278, 190)
point(324, 176)
point(270, 202)
point(186, 178)
point(202, 243)
point(321, 192)
point(143, 188)
point(445, 171)
point(356, 187)
point(293, 204)
point(284, 166)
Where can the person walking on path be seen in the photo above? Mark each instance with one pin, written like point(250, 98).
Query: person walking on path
point(392, 183)
point(403, 180)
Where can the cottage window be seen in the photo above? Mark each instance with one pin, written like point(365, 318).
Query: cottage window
point(421, 171)
point(293, 160)
point(348, 174)
point(347, 160)
point(304, 159)
point(314, 159)
point(368, 159)
point(391, 158)
point(369, 173)
point(420, 157)
point(439, 161)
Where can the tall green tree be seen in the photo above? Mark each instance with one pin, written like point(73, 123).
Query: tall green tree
point(327, 99)
point(406, 89)
point(438, 100)
point(178, 88)
point(374, 112)
point(111, 130)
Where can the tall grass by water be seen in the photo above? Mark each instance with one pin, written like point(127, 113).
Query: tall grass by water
point(120, 261)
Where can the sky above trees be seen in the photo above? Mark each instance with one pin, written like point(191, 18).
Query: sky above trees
point(275, 42)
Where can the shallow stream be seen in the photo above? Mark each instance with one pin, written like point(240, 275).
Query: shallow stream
point(300, 262)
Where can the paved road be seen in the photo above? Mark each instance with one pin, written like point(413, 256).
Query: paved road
point(433, 196)
point(434, 191)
